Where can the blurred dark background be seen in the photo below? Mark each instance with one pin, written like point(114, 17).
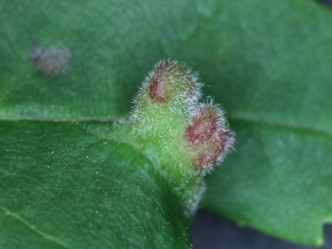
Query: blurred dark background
point(328, 2)
point(210, 231)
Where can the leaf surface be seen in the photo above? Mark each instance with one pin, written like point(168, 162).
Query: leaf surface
point(267, 62)
point(276, 86)
point(63, 188)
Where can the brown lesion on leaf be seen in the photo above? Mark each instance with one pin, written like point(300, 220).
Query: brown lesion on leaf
point(165, 80)
point(208, 135)
point(160, 81)
point(157, 88)
point(207, 158)
point(51, 61)
point(202, 127)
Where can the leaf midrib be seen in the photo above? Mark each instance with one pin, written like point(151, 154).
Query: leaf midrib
point(32, 227)
point(232, 118)
point(282, 126)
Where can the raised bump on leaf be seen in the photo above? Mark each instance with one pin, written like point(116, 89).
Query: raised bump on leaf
point(208, 134)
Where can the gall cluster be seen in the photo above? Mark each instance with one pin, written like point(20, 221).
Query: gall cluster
point(206, 134)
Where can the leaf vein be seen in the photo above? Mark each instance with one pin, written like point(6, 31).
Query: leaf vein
point(284, 126)
point(33, 228)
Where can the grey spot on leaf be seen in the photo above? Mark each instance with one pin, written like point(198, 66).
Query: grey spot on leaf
point(51, 61)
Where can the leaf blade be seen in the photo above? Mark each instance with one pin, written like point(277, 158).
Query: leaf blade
point(284, 196)
point(266, 62)
point(63, 193)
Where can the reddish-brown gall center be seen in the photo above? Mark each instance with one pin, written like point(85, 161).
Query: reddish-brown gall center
point(221, 140)
point(157, 88)
point(201, 129)
point(208, 136)
point(169, 77)
point(206, 159)
point(160, 81)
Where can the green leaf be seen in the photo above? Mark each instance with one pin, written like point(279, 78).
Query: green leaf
point(112, 44)
point(63, 188)
point(277, 88)
point(267, 62)
point(284, 190)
